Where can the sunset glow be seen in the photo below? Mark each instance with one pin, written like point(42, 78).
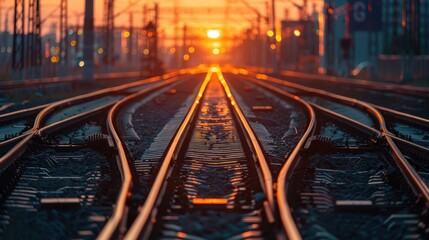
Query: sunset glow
point(213, 34)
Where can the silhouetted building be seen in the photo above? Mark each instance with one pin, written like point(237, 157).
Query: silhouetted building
point(378, 47)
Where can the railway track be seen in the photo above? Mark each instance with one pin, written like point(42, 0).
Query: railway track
point(121, 127)
point(332, 156)
point(146, 126)
point(404, 98)
point(354, 177)
point(19, 126)
point(64, 183)
point(240, 156)
point(64, 168)
point(207, 178)
point(403, 128)
point(278, 122)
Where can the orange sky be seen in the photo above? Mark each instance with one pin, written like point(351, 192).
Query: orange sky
point(76, 8)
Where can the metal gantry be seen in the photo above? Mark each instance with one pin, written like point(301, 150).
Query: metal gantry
point(34, 45)
point(109, 50)
point(18, 37)
point(63, 54)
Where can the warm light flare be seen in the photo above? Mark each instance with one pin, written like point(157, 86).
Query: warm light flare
point(55, 59)
point(261, 76)
point(213, 34)
point(126, 34)
point(216, 51)
point(297, 33)
point(211, 201)
point(270, 33)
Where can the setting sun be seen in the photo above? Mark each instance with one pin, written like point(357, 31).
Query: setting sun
point(213, 33)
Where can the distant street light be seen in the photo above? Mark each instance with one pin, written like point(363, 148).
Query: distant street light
point(216, 51)
point(297, 33)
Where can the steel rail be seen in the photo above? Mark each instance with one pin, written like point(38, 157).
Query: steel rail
point(336, 97)
point(361, 83)
point(371, 131)
point(51, 127)
point(85, 97)
point(7, 117)
point(159, 185)
point(266, 178)
point(375, 110)
point(15, 151)
point(422, 122)
point(288, 222)
point(414, 179)
point(12, 153)
point(346, 120)
point(74, 119)
point(417, 184)
point(67, 79)
point(12, 140)
point(396, 88)
point(21, 113)
point(112, 225)
point(415, 147)
point(97, 77)
point(33, 110)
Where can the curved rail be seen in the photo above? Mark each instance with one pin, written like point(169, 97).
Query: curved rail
point(158, 186)
point(67, 79)
point(419, 121)
point(380, 86)
point(118, 213)
point(288, 223)
point(12, 153)
point(371, 131)
point(417, 184)
point(21, 113)
point(266, 178)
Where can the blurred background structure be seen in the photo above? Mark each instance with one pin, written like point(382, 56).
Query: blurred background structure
point(370, 39)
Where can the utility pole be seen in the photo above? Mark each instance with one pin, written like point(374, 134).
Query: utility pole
point(176, 32)
point(130, 39)
point(5, 38)
point(109, 37)
point(258, 42)
point(395, 23)
point(273, 12)
point(329, 37)
point(266, 43)
point(1, 11)
point(63, 54)
point(34, 45)
point(259, 37)
point(18, 38)
point(408, 31)
point(184, 48)
point(88, 42)
point(6, 19)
